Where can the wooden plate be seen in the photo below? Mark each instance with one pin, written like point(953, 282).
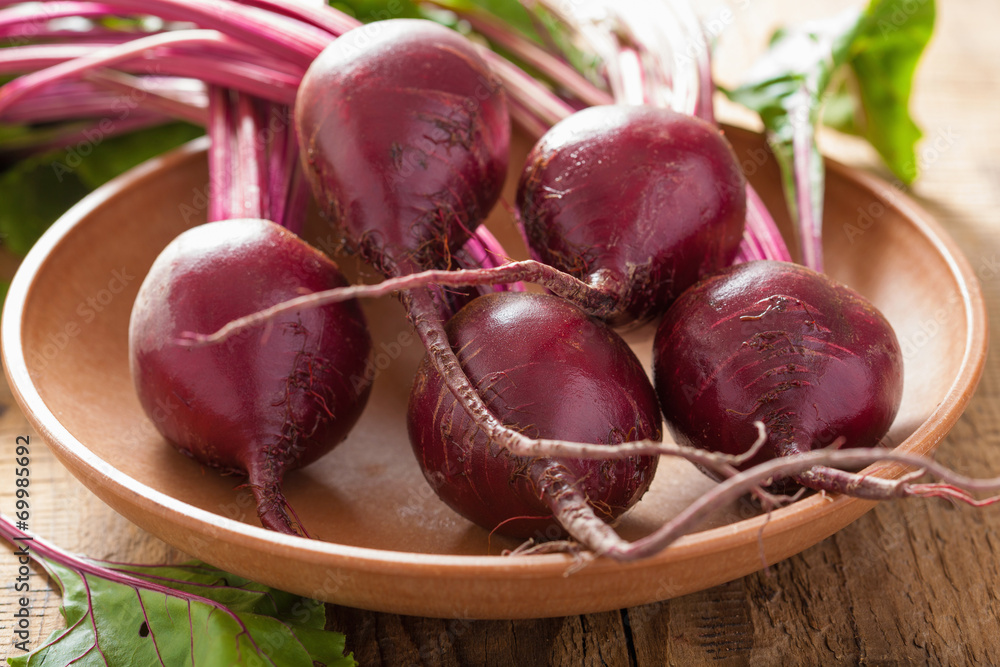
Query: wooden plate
point(386, 542)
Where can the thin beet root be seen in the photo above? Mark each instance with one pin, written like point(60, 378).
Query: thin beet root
point(517, 443)
point(275, 398)
point(547, 370)
point(955, 487)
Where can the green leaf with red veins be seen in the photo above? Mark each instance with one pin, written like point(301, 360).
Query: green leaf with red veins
point(872, 55)
point(113, 621)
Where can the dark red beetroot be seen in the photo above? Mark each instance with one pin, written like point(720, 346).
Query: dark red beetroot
point(779, 343)
point(276, 397)
point(405, 134)
point(638, 202)
point(549, 371)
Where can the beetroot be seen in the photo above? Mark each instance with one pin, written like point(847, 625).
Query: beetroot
point(275, 398)
point(405, 135)
point(778, 343)
point(638, 202)
point(548, 370)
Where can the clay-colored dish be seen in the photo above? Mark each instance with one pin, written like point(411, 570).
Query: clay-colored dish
point(385, 541)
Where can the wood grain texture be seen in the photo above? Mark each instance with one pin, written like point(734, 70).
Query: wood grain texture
point(912, 582)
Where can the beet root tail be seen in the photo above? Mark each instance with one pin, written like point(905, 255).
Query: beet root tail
point(574, 513)
point(273, 509)
point(831, 480)
point(594, 301)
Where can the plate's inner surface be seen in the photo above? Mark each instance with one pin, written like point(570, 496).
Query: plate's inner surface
point(369, 491)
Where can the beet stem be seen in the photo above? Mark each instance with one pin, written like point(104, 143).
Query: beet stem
point(249, 191)
point(30, 83)
point(153, 98)
point(761, 238)
point(272, 508)
point(324, 17)
point(521, 87)
point(214, 58)
point(219, 161)
point(809, 197)
point(285, 38)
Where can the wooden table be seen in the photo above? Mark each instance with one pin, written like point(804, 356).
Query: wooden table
point(929, 595)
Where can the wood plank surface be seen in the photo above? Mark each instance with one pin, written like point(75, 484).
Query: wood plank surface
point(909, 583)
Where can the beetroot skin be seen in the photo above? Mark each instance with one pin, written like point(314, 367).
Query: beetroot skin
point(779, 343)
point(548, 370)
point(637, 201)
point(276, 397)
point(405, 133)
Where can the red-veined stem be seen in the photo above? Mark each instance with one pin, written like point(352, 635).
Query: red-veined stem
point(219, 162)
point(281, 158)
point(29, 21)
point(298, 194)
point(548, 108)
point(761, 238)
point(214, 60)
point(249, 194)
point(808, 198)
point(289, 40)
point(18, 59)
point(171, 96)
point(333, 22)
point(66, 100)
point(140, 49)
